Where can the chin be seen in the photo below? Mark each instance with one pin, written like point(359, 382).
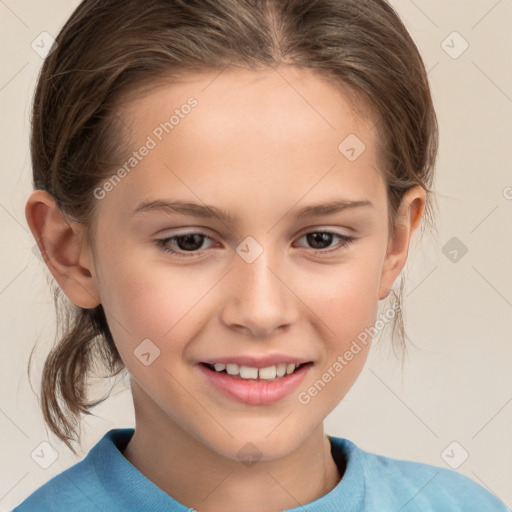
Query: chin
point(255, 443)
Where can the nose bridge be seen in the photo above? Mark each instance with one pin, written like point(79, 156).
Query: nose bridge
point(261, 300)
point(259, 276)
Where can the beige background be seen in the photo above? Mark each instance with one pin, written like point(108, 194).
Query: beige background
point(457, 381)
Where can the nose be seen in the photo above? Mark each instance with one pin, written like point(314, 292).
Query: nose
point(260, 298)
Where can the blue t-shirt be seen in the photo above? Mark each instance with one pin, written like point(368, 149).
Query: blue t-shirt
point(105, 481)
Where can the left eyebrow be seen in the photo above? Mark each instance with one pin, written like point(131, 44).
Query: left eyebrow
point(212, 212)
point(331, 207)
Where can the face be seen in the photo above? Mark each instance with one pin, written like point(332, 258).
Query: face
point(272, 281)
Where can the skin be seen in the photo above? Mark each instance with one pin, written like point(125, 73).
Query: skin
point(260, 145)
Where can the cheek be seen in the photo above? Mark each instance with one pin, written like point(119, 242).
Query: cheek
point(346, 304)
point(148, 300)
point(345, 297)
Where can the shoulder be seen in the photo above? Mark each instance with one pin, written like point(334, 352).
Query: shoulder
point(416, 486)
point(82, 487)
point(68, 490)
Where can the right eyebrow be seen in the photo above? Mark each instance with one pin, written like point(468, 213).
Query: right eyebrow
point(185, 208)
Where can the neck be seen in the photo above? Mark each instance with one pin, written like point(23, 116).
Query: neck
point(199, 478)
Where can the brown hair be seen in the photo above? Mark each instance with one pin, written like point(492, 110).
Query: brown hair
point(110, 48)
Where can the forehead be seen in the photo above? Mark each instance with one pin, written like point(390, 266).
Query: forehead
point(282, 130)
point(278, 93)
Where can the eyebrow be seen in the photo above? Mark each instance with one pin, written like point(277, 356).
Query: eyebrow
point(212, 212)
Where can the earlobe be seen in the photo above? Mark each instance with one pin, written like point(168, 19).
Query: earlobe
point(409, 217)
point(61, 244)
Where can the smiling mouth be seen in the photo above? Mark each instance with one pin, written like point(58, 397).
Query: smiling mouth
point(269, 373)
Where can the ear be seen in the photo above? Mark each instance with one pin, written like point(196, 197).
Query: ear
point(64, 252)
point(409, 216)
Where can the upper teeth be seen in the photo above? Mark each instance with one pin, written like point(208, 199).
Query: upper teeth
point(249, 372)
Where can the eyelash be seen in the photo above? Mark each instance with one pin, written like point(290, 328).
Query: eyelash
point(163, 243)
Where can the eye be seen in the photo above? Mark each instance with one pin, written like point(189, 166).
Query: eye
point(192, 242)
point(188, 242)
point(320, 239)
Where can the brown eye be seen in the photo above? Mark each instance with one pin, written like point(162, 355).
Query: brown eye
point(321, 240)
point(186, 243)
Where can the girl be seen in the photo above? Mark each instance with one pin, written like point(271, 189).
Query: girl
point(225, 190)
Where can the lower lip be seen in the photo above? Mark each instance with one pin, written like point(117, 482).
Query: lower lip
point(255, 392)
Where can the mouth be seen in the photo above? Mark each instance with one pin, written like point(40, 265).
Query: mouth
point(253, 385)
point(267, 374)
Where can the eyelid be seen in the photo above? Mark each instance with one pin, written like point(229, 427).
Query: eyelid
point(321, 228)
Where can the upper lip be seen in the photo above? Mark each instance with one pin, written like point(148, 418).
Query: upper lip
point(255, 361)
